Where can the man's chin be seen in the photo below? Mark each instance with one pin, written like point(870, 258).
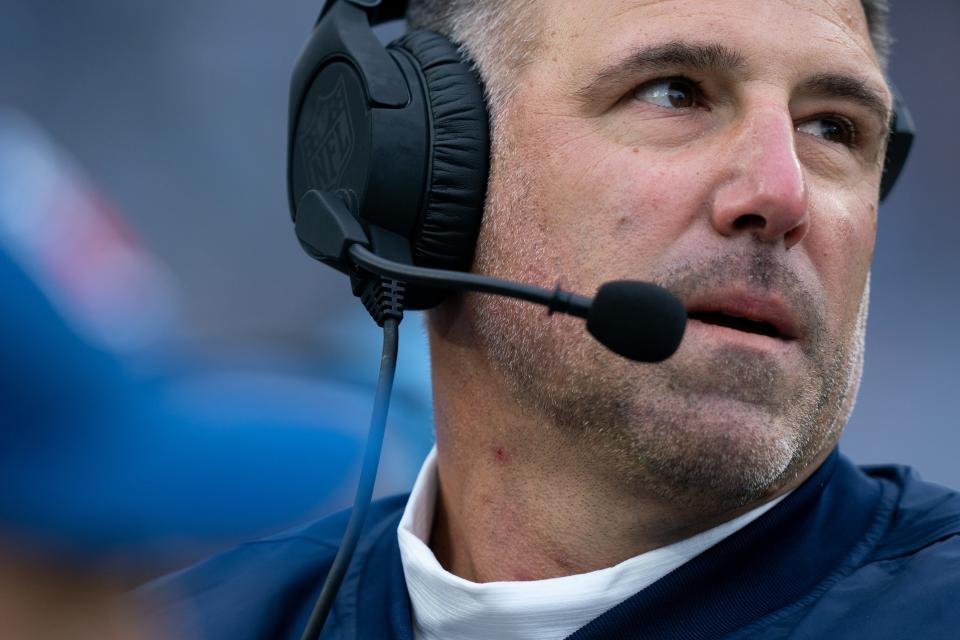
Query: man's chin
point(744, 376)
point(726, 453)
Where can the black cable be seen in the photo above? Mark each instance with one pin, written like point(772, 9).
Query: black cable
point(557, 300)
point(368, 474)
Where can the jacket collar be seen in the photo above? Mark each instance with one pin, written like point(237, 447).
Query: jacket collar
point(819, 533)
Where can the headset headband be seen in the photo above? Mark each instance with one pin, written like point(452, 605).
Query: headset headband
point(380, 11)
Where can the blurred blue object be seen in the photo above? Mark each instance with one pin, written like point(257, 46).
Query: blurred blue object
point(142, 470)
point(96, 462)
point(74, 243)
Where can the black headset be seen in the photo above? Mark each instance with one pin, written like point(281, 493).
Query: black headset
point(401, 134)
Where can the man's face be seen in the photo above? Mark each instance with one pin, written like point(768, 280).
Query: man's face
point(730, 151)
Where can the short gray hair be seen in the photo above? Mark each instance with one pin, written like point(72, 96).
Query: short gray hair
point(500, 36)
point(878, 21)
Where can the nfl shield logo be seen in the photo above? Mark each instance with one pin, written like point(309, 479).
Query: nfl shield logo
point(328, 142)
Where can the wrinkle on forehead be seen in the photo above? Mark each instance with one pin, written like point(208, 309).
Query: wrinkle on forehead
point(842, 14)
point(847, 15)
point(846, 18)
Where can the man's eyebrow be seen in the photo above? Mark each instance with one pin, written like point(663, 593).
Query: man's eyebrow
point(832, 85)
point(695, 57)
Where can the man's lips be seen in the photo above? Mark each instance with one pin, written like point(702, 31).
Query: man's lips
point(750, 312)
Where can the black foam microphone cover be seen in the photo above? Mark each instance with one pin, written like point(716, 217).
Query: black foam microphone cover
point(637, 320)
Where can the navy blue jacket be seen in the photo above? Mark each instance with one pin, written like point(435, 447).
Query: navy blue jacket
point(852, 553)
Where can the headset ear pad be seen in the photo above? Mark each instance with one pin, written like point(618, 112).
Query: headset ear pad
point(459, 152)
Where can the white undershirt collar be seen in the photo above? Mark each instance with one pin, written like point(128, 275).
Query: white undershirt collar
point(447, 607)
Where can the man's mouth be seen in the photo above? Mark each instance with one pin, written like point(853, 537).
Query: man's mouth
point(750, 313)
point(746, 325)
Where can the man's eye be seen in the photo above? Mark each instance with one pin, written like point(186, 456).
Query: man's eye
point(832, 129)
point(672, 93)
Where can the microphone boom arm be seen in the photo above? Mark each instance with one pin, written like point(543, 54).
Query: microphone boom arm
point(557, 300)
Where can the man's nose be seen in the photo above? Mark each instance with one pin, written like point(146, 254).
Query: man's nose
point(765, 192)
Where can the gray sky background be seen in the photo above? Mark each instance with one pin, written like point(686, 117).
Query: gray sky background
point(178, 112)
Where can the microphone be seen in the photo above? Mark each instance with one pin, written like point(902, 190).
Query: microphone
point(637, 320)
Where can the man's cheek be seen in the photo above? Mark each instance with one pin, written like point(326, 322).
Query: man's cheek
point(841, 244)
point(658, 199)
point(585, 172)
point(630, 178)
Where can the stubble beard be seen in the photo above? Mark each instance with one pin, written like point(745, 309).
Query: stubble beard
point(718, 434)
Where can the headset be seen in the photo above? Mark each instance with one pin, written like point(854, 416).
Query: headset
point(387, 167)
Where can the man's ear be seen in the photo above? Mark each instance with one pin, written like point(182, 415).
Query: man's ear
point(898, 145)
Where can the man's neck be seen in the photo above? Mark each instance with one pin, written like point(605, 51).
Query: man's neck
point(495, 524)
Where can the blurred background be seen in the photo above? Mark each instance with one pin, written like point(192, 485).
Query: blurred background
point(142, 197)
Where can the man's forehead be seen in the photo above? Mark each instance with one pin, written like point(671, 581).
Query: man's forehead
point(591, 34)
point(845, 14)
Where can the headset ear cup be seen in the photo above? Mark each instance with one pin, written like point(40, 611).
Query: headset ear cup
point(459, 152)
